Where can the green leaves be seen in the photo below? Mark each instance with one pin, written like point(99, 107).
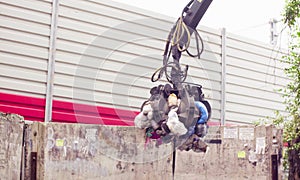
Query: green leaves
point(291, 12)
point(291, 93)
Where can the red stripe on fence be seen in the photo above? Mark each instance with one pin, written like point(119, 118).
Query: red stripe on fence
point(33, 108)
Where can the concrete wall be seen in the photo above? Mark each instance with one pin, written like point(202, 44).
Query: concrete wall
point(77, 151)
point(11, 138)
point(245, 153)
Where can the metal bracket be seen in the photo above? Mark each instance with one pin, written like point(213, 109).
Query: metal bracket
point(33, 163)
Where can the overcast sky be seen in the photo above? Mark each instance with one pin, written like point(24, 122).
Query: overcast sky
point(249, 18)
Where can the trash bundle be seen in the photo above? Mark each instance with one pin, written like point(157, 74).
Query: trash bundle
point(162, 120)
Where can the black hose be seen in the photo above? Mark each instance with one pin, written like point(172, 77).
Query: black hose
point(168, 49)
point(163, 70)
point(199, 51)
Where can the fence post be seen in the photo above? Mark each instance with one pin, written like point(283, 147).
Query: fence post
point(51, 61)
point(223, 80)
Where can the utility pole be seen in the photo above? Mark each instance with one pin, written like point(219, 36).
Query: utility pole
point(273, 31)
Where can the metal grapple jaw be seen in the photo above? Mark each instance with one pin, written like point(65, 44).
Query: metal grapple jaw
point(188, 114)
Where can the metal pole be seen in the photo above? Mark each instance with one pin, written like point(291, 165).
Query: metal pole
point(273, 31)
point(223, 83)
point(274, 164)
point(51, 61)
point(174, 159)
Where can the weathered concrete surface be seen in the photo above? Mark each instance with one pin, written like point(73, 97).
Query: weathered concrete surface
point(11, 138)
point(81, 151)
point(244, 153)
point(78, 151)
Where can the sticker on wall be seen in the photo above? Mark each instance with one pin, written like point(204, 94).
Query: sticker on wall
point(59, 142)
point(231, 133)
point(241, 154)
point(260, 145)
point(246, 133)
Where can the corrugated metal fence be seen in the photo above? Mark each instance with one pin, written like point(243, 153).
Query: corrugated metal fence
point(104, 54)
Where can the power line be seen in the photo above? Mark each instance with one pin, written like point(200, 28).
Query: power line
point(250, 27)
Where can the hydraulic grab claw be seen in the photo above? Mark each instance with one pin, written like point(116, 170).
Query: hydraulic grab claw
point(178, 96)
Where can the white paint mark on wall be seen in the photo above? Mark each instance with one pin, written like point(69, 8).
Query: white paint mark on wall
point(246, 133)
point(260, 145)
point(231, 133)
point(50, 140)
point(90, 135)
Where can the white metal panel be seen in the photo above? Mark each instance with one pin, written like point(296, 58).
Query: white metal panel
point(20, 73)
point(32, 5)
point(13, 10)
point(254, 74)
point(107, 52)
point(111, 51)
point(24, 37)
point(249, 101)
point(24, 29)
point(17, 87)
point(26, 62)
point(263, 65)
point(23, 49)
point(266, 91)
point(97, 7)
point(24, 26)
